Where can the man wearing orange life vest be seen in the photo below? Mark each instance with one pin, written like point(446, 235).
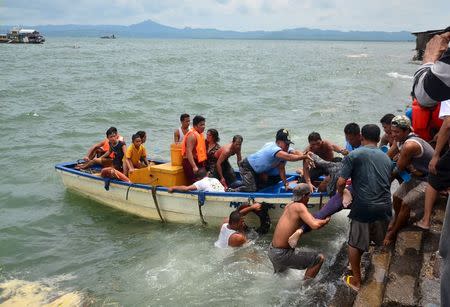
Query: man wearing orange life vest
point(193, 149)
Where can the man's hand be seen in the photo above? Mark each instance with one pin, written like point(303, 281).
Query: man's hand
point(432, 165)
point(436, 47)
point(311, 187)
point(170, 190)
point(345, 152)
point(195, 169)
point(223, 182)
point(256, 207)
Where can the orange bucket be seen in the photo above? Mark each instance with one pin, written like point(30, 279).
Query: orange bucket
point(175, 154)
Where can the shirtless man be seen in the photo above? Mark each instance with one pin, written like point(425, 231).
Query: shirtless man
point(179, 133)
point(324, 149)
point(232, 232)
point(224, 171)
point(193, 149)
point(295, 214)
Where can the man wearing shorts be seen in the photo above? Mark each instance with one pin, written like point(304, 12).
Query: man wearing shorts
point(414, 156)
point(370, 171)
point(295, 214)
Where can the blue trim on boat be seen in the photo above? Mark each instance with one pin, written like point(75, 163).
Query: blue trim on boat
point(68, 167)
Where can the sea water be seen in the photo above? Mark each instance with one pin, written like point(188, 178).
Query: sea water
point(57, 99)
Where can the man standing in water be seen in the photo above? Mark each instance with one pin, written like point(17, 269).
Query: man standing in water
point(295, 214)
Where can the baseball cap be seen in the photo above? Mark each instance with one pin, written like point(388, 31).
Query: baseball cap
point(299, 191)
point(402, 122)
point(283, 135)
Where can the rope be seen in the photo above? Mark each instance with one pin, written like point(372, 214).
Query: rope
point(155, 200)
point(201, 201)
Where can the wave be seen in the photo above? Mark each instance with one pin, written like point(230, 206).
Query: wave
point(360, 55)
point(25, 293)
point(396, 75)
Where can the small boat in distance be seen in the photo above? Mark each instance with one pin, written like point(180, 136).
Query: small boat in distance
point(108, 37)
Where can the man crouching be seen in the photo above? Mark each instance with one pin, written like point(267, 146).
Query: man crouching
point(294, 215)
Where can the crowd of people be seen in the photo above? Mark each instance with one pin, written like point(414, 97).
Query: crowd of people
point(359, 179)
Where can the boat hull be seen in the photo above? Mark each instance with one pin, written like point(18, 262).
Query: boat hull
point(176, 207)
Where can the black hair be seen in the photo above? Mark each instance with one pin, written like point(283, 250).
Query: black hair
point(198, 119)
point(183, 116)
point(135, 136)
point(314, 136)
point(214, 134)
point(201, 173)
point(110, 131)
point(386, 119)
point(235, 217)
point(371, 132)
point(141, 134)
point(238, 137)
point(352, 128)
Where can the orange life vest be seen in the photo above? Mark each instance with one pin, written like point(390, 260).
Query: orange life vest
point(200, 148)
point(425, 121)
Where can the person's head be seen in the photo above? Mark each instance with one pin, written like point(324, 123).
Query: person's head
point(111, 134)
point(212, 136)
point(235, 220)
point(283, 139)
point(370, 134)
point(143, 136)
point(236, 143)
point(386, 122)
point(353, 134)
point(202, 173)
point(400, 128)
point(136, 139)
point(315, 141)
point(301, 193)
point(185, 120)
point(199, 123)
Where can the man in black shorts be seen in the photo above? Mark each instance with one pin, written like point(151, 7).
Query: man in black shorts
point(295, 214)
point(370, 171)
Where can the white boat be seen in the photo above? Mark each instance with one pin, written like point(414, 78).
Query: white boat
point(156, 203)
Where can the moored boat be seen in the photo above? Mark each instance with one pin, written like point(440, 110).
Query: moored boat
point(153, 201)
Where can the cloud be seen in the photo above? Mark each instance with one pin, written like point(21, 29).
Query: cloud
point(386, 15)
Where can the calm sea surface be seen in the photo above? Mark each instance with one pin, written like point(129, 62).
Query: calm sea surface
point(57, 99)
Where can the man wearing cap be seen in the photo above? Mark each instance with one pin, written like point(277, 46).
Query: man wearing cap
point(294, 215)
point(370, 171)
point(274, 154)
point(414, 156)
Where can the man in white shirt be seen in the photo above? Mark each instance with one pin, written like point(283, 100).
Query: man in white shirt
point(205, 184)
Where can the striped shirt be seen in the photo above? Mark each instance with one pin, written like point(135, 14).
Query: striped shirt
point(432, 81)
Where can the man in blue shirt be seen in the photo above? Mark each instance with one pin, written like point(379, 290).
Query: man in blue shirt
point(272, 155)
point(370, 171)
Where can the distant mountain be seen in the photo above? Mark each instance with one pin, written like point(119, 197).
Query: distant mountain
point(151, 29)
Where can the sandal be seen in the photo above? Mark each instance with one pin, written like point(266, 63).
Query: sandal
point(346, 280)
point(416, 224)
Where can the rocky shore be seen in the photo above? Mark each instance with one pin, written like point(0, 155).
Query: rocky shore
point(405, 274)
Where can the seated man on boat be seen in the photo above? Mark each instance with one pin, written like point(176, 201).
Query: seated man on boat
point(206, 184)
point(119, 149)
point(324, 149)
point(274, 154)
point(193, 149)
point(281, 254)
point(136, 156)
point(232, 232)
point(223, 170)
point(179, 133)
point(97, 150)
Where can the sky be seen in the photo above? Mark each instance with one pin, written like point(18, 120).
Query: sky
point(239, 15)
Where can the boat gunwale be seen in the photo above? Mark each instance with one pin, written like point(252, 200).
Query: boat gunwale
point(64, 166)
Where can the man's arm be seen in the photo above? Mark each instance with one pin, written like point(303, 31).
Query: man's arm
point(190, 144)
point(176, 136)
point(236, 240)
point(291, 157)
point(225, 154)
point(442, 139)
point(246, 208)
point(92, 149)
point(393, 151)
point(182, 188)
point(432, 78)
point(409, 150)
point(310, 220)
point(338, 149)
point(238, 156)
point(282, 171)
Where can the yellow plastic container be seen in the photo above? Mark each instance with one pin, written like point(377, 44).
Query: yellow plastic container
point(167, 175)
point(142, 175)
point(175, 154)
